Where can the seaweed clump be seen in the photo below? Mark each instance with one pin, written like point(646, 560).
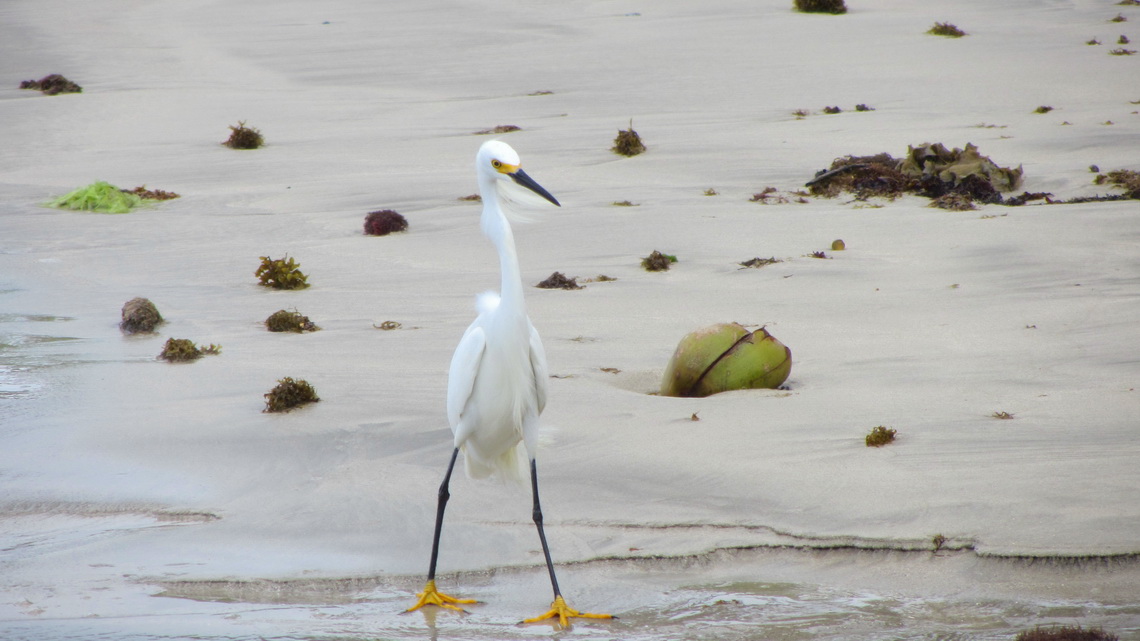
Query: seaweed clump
point(1126, 179)
point(284, 320)
point(242, 137)
point(558, 280)
point(628, 142)
point(835, 7)
point(104, 197)
point(289, 394)
point(499, 129)
point(936, 543)
point(139, 316)
point(281, 273)
point(772, 196)
point(182, 350)
point(153, 194)
point(657, 262)
point(384, 222)
point(880, 436)
point(964, 170)
point(757, 263)
point(946, 29)
point(865, 176)
point(52, 84)
point(99, 196)
point(1065, 633)
point(955, 178)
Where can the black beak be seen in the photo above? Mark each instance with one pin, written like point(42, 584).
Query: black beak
point(521, 178)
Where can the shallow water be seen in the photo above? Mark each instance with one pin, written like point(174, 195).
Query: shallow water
point(26, 349)
point(733, 594)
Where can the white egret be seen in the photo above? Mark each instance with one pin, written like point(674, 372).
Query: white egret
point(496, 386)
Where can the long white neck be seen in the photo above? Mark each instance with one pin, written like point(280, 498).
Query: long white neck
point(498, 229)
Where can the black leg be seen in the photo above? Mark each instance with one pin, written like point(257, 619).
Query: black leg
point(558, 610)
point(444, 494)
point(431, 595)
point(541, 533)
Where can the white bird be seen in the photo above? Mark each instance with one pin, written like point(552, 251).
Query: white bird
point(496, 386)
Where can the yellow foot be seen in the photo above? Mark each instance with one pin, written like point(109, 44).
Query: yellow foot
point(564, 613)
point(432, 596)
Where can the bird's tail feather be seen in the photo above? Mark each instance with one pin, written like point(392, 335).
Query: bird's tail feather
point(508, 466)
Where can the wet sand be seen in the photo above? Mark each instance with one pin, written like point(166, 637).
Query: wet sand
point(159, 500)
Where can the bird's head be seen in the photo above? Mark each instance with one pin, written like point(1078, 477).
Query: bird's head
point(498, 165)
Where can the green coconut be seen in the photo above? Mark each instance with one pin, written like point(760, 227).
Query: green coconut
point(726, 357)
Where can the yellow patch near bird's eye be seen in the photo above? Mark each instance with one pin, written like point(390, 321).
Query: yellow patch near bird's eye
point(504, 168)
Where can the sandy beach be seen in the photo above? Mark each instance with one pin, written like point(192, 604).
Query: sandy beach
point(141, 499)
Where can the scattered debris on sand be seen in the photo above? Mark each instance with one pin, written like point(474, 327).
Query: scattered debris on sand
point(658, 262)
point(835, 7)
point(242, 137)
point(284, 320)
point(281, 273)
point(880, 435)
point(52, 84)
point(500, 129)
point(183, 350)
point(757, 263)
point(384, 222)
point(140, 316)
point(1126, 179)
point(628, 142)
point(558, 280)
point(963, 176)
point(289, 394)
point(1065, 633)
point(153, 194)
point(99, 196)
point(946, 29)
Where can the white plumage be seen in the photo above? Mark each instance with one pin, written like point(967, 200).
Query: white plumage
point(496, 385)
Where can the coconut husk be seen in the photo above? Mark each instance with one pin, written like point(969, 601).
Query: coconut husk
point(139, 316)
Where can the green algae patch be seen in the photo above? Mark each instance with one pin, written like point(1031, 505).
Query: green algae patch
point(99, 196)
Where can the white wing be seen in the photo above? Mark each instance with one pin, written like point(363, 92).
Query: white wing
point(464, 367)
point(538, 365)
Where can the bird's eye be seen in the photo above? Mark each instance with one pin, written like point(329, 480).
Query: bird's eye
point(496, 163)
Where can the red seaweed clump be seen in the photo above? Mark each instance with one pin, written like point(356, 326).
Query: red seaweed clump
point(384, 222)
